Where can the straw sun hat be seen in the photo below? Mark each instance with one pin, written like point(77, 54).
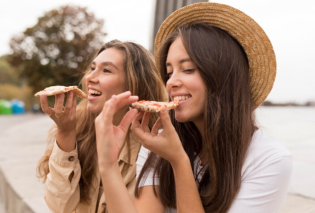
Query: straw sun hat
point(256, 44)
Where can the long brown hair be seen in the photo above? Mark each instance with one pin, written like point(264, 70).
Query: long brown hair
point(229, 121)
point(142, 79)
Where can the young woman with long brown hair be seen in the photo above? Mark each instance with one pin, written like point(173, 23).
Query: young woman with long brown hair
point(69, 165)
point(210, 156)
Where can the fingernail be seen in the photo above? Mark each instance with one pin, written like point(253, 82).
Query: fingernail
point(163, 109)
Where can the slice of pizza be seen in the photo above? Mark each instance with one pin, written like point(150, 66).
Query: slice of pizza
point(153, 106)
point(54, 90)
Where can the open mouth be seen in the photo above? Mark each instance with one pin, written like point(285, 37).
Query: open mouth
point(181, 98)
point(94, 92)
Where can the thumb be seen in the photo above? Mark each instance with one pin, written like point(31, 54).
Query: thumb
point(165, 118)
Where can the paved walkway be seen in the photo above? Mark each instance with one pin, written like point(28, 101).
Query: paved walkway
point(23, 142)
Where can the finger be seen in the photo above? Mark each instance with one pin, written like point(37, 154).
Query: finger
point(73, 106)
point(59, 99)
point(74, 101)
point(124, 95)
point(145, 121)
point(127, 119)
point(121, 100)
point(136, 120)
point(165, 118)
point(128, 101)
point(140, 133)
point(69, 102)
point(44, 105)
point(137, 129)
point(156, 127)
point(125, 98)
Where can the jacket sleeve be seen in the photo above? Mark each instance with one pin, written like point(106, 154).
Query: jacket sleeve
point(61, 194)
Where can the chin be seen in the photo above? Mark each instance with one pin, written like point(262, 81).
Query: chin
point(181, 119)
point(93, 109)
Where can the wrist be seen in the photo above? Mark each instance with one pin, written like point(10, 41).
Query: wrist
point(66, 140)
point(66, 133)
point(180, 160)
point(106, 170)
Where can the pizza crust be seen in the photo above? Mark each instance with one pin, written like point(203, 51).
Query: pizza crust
point(54, 90)
point(153, 106)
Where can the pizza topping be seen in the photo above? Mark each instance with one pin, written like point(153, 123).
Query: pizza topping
point(158, 105)
point(94, 92)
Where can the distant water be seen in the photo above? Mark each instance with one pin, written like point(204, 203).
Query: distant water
point(294, 128)
point(291, 126)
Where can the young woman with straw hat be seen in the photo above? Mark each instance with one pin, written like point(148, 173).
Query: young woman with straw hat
point(210, 155)
point(69, 165)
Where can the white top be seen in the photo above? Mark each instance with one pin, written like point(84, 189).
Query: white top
point(265, 176)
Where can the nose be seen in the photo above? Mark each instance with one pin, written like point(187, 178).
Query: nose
point(174, 81)
point(92, 77)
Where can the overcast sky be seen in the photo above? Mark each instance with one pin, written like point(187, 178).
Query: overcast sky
point(289, 24)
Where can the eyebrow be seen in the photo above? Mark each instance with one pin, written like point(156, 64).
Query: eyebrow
point(181, 61)
point(106, 63)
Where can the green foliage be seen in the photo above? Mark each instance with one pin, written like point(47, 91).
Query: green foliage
point(7, 73)
point(55, 50)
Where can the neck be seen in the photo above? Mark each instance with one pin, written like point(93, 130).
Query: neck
point(200, 126)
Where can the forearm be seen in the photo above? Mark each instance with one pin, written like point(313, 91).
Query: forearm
point(187, 195)
point(118, 199)
point(66, 140)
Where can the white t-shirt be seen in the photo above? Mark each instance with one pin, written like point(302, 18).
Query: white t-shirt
point(265, 176)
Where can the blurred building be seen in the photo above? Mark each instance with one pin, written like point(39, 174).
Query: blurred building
point(163, 9)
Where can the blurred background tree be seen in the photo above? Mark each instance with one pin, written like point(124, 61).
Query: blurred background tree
point(55, 50)
point(7, 73)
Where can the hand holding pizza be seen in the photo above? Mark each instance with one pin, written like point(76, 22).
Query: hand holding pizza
point(110, 139)
point(166, 144)
point(64, 117)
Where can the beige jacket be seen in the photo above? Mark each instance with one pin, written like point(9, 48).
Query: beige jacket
point(63, 196)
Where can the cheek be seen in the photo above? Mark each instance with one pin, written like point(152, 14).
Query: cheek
point(111, 86)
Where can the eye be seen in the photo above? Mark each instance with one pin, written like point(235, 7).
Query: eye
point(106, 70)
point(92, 68)
point(168, 75)
point(189, 70)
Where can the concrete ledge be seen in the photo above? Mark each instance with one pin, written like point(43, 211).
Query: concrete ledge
point(11, 201)
point(22, 142)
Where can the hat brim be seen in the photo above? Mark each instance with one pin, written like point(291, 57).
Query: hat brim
point(253, 39)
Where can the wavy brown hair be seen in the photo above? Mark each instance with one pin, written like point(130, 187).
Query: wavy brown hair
point(229, 121)
point(142, 79)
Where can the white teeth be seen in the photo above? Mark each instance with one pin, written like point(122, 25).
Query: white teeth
point(181, 98)
point(94, 92)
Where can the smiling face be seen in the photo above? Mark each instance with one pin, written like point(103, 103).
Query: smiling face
point(185, 84)
point(107, 77)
